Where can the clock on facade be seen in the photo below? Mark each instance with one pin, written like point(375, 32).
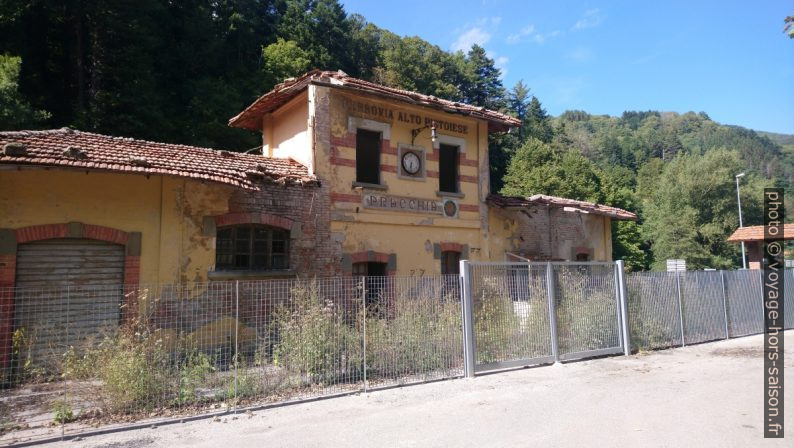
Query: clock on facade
point(411, 163)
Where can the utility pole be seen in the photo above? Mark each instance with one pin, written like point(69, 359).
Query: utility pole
point(739, 200)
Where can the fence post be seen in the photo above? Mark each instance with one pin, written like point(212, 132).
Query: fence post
point(236, 335)
point(468, 319)
point(680, 307)
point(552, 310)
point(725, 304)
point(623, 299)
point(364, 342)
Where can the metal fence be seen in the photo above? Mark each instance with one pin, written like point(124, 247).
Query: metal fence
point(525, 314)
point(669, 309)
point(81, 357)
point(76, 358)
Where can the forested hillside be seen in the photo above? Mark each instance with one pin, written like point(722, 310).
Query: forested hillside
point(177, 71)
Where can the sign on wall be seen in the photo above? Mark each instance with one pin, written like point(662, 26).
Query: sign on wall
point(382, 113)
point(402, 203)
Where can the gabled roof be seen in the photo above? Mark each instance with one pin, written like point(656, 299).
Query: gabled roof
point(556, 201)
point(251, 117)
point(756, 233)
point(84, 150)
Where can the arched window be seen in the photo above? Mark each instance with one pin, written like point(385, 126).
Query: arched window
point(251, 247)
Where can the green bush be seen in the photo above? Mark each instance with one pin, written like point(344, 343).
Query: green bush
point(421, 335)
point(313, 336)
point(134, 373)
point(586, 313)
point(62, 412)
point(192, 375)
point(496, 325)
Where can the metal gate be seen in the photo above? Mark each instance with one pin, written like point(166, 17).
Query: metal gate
point(523, 314)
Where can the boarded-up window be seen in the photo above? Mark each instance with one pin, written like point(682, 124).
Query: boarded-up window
point(367, 156)
point(448, 169)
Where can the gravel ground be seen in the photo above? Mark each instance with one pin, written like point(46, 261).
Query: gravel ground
point(703, 395)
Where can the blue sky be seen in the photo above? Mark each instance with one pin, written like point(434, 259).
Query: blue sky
point(730, 59)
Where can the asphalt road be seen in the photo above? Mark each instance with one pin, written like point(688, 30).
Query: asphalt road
point(704, 395)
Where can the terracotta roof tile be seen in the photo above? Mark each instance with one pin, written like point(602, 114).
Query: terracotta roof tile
point(102, 152)
point(555, 201)
point(756, 233)
point(251, 117)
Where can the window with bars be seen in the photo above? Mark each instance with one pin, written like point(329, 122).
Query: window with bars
point(251, 248)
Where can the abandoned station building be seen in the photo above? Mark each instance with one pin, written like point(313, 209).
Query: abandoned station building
point(354, 178)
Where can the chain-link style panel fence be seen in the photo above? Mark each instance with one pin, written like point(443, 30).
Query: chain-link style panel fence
point(653, 308)
point(511, 313)
point(744, 294)
point(76, 358)
point(703, 306)
point(587, 307)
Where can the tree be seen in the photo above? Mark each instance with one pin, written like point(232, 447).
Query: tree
point(536, 168)
point(283, 59)
point(538, 123)
point(518, 104)
point(484, 84)
point(789, 26)
point(322, 29)
point(15, 111)
point(692, 210)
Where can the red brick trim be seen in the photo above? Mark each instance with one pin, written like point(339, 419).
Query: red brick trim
point(42, 232)
point(342, 197)
point(231, 219)
point(468, 162)
point(339, 161)
point(468, 179)
point(469, 208)
point(369, 256)
point(387, 148)
point(388, 168)
point(349, 140)
point(451, 247)
point(108, 234)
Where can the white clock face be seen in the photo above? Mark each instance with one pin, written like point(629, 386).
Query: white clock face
point(411, 163)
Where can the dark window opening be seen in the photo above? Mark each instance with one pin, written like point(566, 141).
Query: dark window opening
point(367, 156)
point(375, 281)
point(251, 248)
point(582, 257)
point(448, 169)
point(450, 263)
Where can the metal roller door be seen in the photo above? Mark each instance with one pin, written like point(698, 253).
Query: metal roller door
point(69, 294)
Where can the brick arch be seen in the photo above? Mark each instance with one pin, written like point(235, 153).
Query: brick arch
point(231, 219)
point(367, 256)
point(11, 238)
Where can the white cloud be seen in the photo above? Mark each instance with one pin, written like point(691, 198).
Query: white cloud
point(580, 54)
point(501, 63)
point(473, 36)
point(529, 32)
point(540, 38)
point(591, 18)
point(526, 31)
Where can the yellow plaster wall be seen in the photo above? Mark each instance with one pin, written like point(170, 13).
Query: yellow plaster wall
point(409, 235)
point(413, 245)
point(286, 132)
point(167, 211)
